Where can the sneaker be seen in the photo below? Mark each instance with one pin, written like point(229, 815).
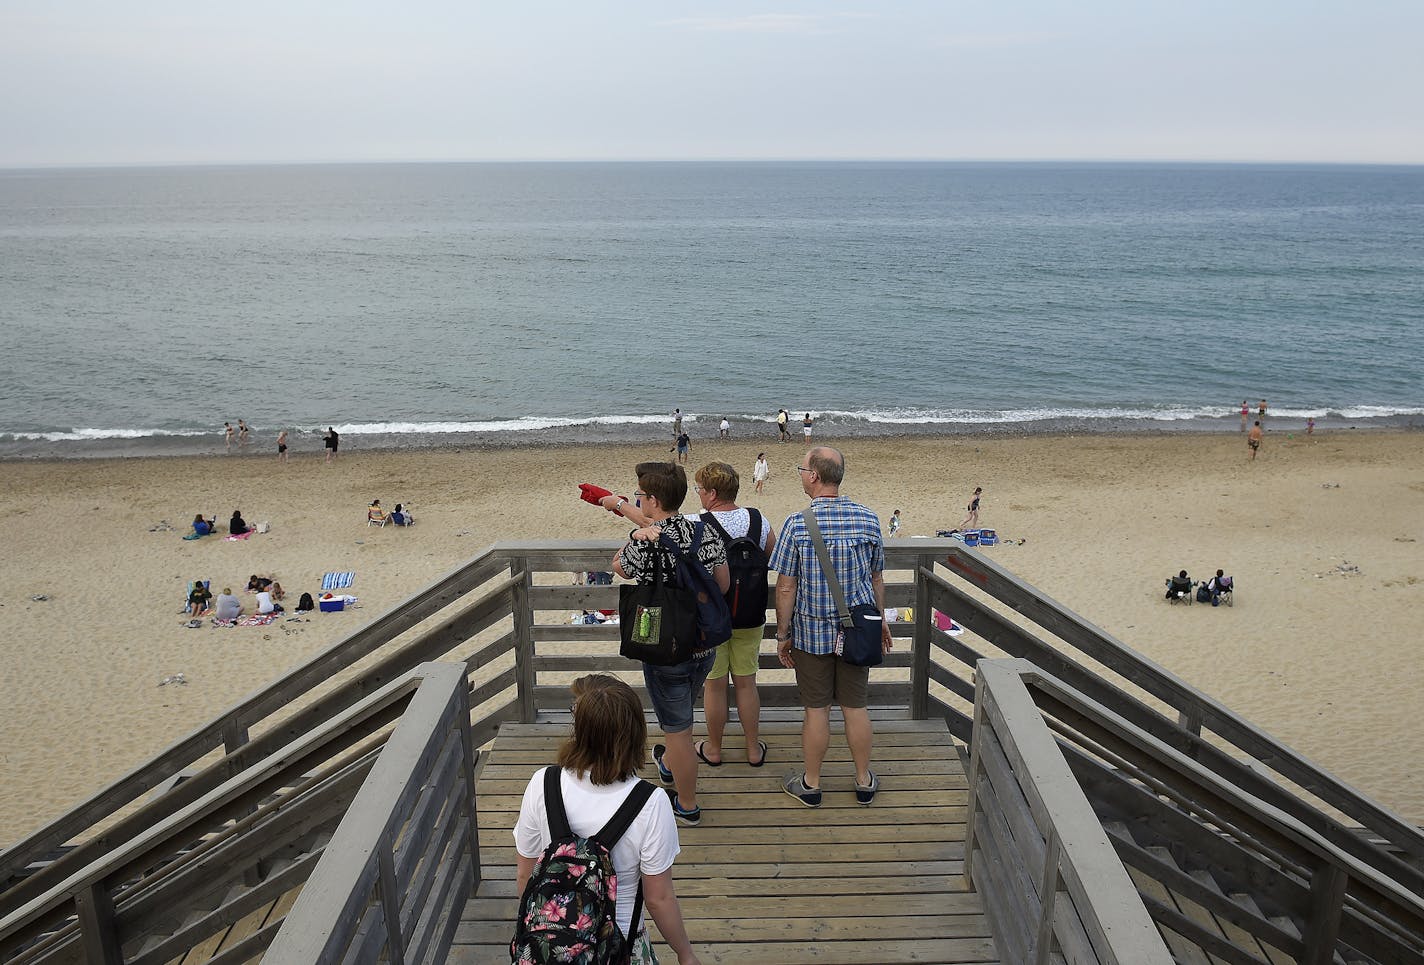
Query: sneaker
point(795, 785)
point(664, 774)
point(865, 793)
point(690, 819)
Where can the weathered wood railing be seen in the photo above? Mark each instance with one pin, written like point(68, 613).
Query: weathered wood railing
point(1034, 848)
point(406, 855)
point(1334, 903)
point(235, 849)
point(505, 615)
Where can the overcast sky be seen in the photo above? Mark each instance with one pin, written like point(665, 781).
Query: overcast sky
point(134, 81)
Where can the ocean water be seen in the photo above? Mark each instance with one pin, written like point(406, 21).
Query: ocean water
point(424, 303)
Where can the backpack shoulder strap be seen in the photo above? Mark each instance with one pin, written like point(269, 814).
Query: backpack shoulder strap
point(554, 804)
point(755, 531)
point(710, 519)
point(618, 825)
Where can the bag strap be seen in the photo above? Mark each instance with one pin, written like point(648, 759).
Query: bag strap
point(612, 832)
point(710, 519)
point(554, 804)
point(827, 567)
point(754, 530)
point(698, 571)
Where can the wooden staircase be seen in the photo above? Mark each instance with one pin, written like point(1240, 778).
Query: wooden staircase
point(765, 880)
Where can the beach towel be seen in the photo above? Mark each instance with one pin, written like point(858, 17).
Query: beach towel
point(195, 535)
point(257, 620)
point(247, 535)
point(223, 623)
point(337, 581)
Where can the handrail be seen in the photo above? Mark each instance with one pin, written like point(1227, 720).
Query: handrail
point(1065, 845)
point(1354, 887)
point(359, 869)
point(95, 883)
point(1198, 710)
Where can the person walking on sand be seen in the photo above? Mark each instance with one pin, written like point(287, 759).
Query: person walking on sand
point(972, 520)
point(807, 626)
point(228, 430)
point(282, 446)
point(760, 471)
point(782, 419)
point(1253, 439)
point(1309, 426)
point(683, 447)
point(241, 433)
point(1245, 413)
point(332, 440)
point(894, 522)
point(662, 486)
point(750, 541)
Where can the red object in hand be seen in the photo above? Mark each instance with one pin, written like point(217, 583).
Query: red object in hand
point(590, 493)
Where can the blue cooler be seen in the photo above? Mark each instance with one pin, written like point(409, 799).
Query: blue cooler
point(987, 537)
point(971, 537)
point(332, 606)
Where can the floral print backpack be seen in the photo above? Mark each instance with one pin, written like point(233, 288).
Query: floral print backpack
point(568, 910)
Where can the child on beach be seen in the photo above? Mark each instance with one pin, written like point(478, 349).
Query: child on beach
point(894, 522)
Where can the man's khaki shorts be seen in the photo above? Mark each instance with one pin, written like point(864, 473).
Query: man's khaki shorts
point(824, 679)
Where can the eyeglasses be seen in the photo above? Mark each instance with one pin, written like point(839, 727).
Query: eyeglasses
point(804, 469)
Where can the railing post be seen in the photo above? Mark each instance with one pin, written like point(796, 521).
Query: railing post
point(524, 640)
point(972, 812)
point(920, 658)
point(467, 776)
point(96, 922)
point(1047, 894)
point(390, 902)
point(1327, 903)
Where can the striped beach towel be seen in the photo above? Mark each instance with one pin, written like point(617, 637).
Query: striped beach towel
point(337, 581)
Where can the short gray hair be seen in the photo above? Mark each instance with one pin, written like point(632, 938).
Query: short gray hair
point(828, 464)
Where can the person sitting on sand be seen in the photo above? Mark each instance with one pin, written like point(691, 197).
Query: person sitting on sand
point(199, 597)
point(1179, 587)
point(229, 607)
point(203, 526)
point(265, 603)
point(258, 583)
point(237, 525)
point(402, 516)
point(276, 590)
point(374, 512)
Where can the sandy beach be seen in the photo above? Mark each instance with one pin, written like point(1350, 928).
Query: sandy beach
point(1323, 536)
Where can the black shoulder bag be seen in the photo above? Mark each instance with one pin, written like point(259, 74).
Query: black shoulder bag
point(657, 619)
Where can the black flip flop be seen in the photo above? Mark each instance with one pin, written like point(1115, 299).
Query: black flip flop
point(763, 755)
point(697, 749)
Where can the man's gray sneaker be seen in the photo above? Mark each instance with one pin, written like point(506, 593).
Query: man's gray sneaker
point(795, 785)
point(865, 793)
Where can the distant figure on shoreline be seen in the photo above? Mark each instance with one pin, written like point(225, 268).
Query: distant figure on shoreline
point(782, 418)
point(1310, 426)
point(1253, 439)
point(1245, 413)
point(228, 430)
point(1261, 410)
point(724, 431)
point(282, 446)
point(677, 422)
point(760, 471)
point(806, 427)
point(241, 433)
point(972, 520)
point(331, 439)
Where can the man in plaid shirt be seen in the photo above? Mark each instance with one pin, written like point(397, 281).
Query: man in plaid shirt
point(807, 626)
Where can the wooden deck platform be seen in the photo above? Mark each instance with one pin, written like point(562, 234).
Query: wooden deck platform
point(765, 880)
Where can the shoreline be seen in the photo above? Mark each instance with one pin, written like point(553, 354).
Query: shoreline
point(1322, 536)
point(308, 443)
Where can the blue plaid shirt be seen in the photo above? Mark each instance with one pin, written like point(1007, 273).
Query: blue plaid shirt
point(852, 535)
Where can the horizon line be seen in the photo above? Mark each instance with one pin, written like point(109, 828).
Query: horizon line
point(888, 159)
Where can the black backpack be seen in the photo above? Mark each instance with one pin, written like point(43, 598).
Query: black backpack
point(714, 617)
point(747, 561)
point(568, 912)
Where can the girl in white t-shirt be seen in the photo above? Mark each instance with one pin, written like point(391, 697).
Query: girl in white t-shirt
point(599, 766)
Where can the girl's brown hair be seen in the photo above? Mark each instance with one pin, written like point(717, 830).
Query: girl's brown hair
point(610, 736)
